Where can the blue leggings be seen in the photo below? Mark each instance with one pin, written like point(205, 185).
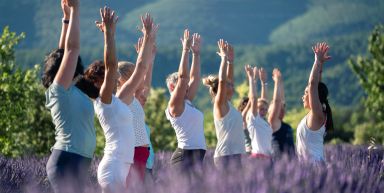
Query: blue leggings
point(67, 172)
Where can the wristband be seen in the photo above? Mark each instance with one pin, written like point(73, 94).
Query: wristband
point(65, 21)
point(264, 83)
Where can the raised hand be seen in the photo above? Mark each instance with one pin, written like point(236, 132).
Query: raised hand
point(139, 44)
point(255, 73)
point(223, 48)
point(108, 20)
point(152, 36)
point(276, 75)
point(147, 24)
point(196, 40)
point(231, 54)
point(321, 52)
point(249, 71)
point(186, 41)
point(72, 3)
point(262, 75)
point(66, 10)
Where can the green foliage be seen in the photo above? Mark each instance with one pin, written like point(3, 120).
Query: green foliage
point(370, 71)
point(162, 134)
point(364, 132)
point(25, 125)
point(325, 19)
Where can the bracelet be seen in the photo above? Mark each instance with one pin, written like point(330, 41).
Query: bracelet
point(65, 21)
point(264, 83)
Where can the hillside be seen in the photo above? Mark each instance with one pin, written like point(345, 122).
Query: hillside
point(271, 34)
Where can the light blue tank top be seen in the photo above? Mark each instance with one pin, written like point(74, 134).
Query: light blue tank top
point(151, 158)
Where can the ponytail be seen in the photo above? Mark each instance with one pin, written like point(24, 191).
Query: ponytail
point(323, 96)
point(328, 112)
point(212, 82)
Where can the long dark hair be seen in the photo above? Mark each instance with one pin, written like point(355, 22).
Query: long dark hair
point(87, 82)
point(323, 96)
point(52, 64)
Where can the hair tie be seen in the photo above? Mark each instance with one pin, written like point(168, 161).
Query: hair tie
point(324, 107)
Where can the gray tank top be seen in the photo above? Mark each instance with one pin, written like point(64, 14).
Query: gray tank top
point(230, 134)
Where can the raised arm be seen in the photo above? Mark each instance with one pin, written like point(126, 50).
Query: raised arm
point(65, 21)
point(145, 87)
point(231, 60)
point(68, 65)
point(252, 74)
point(129, 88)
point(263, 80)
point(108, 26)
point(194, 81)
point(176, 102)
point(316, 115)
point(220, 101)
point(277, 101)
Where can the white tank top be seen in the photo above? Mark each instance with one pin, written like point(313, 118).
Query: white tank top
point(230, 134)
point(116, 121)
point(310, 144)
point(141, 137)
point(189, 127)
point(261, 135)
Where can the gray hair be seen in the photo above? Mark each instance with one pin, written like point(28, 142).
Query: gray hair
point(171, 79)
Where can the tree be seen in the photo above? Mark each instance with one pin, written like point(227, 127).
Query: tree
point(370, 71)
point(162, 134)
point(25, 124)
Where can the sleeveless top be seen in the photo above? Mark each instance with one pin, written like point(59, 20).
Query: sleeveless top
point(141, 137)
point(261, 135)
point(189, 127)
point(282, 139)
point(230, 134)
point(310, 144)
point(116, 121)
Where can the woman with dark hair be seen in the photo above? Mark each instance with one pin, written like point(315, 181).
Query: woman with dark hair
point(114, 115)
point(71, 109)
point(282, 137)
point(244, 108)
point(228, 121)
point(184, 117)
point(312, 128)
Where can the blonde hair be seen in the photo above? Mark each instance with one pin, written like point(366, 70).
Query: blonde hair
point(212, 82)
point(126, 69)
point(171, 79)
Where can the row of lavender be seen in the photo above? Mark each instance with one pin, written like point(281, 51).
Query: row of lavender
point(348, 169)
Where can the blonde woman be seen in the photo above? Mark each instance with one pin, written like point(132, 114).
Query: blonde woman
point(228, 121)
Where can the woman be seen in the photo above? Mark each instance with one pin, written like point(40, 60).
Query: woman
point(184, 117)
point(228, 121)
point(142, 95)
point(244, 108)
point(115, 116)
point(259, 130)
point(282, 137)
point(312, 128)
point(71, 109)
point(133, 76)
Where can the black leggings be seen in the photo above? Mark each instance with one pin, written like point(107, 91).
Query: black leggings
point(228, 162)
point(67, 172)
point(187, 158)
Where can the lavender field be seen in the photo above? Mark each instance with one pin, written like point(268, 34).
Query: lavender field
point(348, 169)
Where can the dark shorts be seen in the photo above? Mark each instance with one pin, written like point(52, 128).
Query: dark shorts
point(67, 172)
point(186, 158)
point(228, 162)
